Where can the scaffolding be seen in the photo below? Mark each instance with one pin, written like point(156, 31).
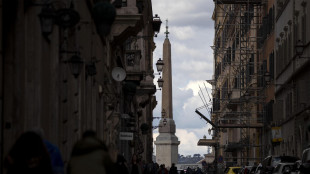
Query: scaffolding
point(238, 75)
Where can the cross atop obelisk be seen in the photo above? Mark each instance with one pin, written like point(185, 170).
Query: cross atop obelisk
point(167, 32)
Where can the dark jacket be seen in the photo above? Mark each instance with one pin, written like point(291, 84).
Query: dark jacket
point(89, 155)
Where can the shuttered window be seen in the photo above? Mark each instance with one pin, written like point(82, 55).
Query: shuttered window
point(271, 65)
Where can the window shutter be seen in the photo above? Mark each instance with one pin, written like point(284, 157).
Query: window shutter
point(271, 65)
point(278, 110)
point(264, 71)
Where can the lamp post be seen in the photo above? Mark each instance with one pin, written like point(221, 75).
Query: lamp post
point(299, 48)
point(160, 82)
point(159, 65)
point(156, 24)
point(47, 20)
point(76, 65)
point(209, 131)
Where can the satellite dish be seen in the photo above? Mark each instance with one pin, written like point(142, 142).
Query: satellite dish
point(118, 74)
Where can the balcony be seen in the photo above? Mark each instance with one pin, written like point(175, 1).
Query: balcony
point(128, 22)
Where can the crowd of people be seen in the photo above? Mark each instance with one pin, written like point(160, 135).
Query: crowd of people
point(32, 154)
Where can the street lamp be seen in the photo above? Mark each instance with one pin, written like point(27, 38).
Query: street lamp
point(160, 82)
point(76, 65)
point(156, 24)
point(299, 48)
point(47, 20)
point(209, 131)
point(159, 65)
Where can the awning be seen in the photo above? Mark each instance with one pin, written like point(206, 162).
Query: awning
point(206, 142)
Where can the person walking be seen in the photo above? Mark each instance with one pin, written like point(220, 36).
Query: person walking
point(56, 158)
point(135, 166)
point(90, 155)
point(173, 169)
point(198, 171)
point(28, 155)
point(189, 170)
point(54, 153)
point(121, 165)
point(162, 169)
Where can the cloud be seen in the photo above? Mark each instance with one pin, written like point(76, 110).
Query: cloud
point(192, 13)
point(183, 32)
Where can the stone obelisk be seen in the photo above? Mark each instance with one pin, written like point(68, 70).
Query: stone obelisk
point(166, 142)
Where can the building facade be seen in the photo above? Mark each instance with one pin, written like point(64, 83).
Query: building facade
point(71, 66)
point(260, 104)
point(291, 78)
point(236, 94)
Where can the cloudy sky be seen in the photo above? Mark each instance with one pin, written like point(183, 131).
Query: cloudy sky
point(191, 35)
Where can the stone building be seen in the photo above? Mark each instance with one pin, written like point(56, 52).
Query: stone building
point(70, 66)
point(265, 46)
point(292, 77)
point(261, 60)
point(236, 94)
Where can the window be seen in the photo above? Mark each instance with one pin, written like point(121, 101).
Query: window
point(288, 104)
point(269, 111)
point(271, 65)
point(233, 52)
point(236, 83)
point(304, 29)
point(264, 69)
point(120, 3)
point(228, 57)
point(124, 3)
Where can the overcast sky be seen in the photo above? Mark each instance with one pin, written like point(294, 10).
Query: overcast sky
point(191, 35)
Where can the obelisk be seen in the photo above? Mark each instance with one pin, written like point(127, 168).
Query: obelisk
point(166, 142)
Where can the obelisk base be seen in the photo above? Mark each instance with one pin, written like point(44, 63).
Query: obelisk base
point(167, 144)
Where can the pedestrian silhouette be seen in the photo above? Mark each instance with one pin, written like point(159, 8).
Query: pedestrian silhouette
point(162, 169)
point(90, 155)
point(173, 169)
point(198, 171)
point(135, 167)
point(54, 152)
point(55, 156)
point(121, 165)
point(189, 170)
point(28, 156)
